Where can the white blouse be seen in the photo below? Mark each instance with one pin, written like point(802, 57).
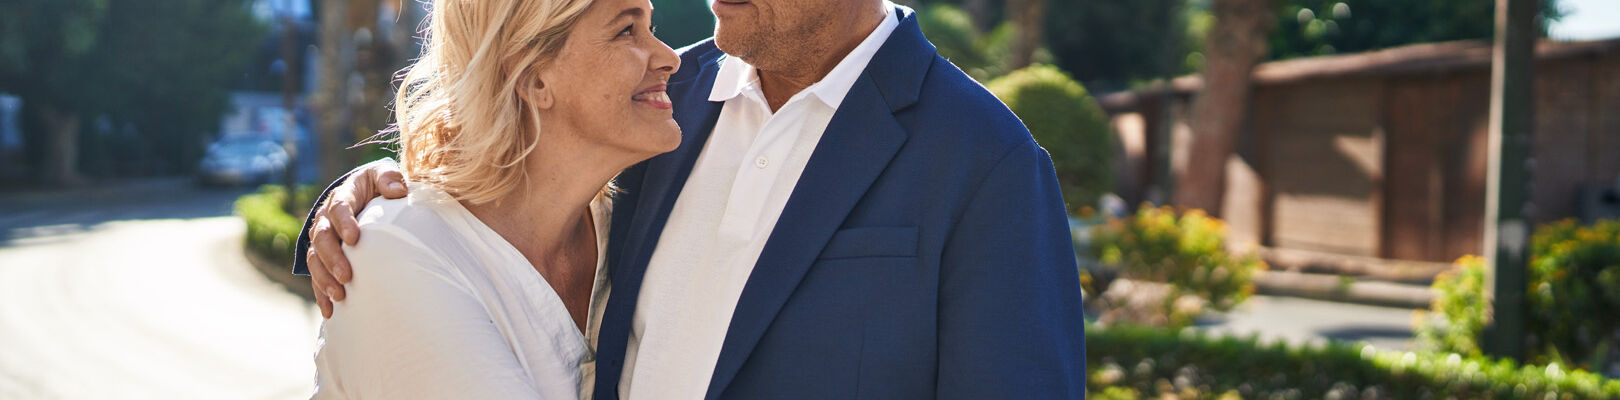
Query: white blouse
point(442, 307)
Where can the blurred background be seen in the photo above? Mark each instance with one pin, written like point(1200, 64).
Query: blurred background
point(1291, 199)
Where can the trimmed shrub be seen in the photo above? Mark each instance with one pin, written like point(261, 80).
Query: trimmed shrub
point(272, 233)
point(1135, 362)
point(1572, 299)
point(952, 32)
point(1188, 251)
point(1069, 124)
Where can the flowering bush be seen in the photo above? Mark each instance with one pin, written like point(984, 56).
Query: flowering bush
point(1457, 313)
point(1187, 251)
point(1572, 299)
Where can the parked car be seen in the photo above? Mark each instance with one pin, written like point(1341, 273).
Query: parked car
point(242, 161)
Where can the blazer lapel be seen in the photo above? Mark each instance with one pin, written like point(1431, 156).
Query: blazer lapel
point(859, 141)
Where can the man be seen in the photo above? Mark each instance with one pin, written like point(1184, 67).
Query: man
point(848, 216)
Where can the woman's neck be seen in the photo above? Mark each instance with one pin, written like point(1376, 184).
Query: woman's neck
point(548, 217)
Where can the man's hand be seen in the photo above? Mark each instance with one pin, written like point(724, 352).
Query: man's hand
point(334, 221)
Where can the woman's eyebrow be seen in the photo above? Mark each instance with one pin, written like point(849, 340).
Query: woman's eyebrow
point(632, 12)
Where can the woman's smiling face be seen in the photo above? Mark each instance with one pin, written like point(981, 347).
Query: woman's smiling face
point(607, 83)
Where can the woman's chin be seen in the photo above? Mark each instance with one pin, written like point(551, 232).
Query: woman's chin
point(670, 141)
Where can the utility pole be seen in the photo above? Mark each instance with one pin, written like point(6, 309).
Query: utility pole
point(1507, 209)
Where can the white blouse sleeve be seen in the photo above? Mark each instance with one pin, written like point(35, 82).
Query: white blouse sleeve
point(410, 329)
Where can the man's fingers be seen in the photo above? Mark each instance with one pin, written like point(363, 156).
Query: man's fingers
point(335, 264)
point(341, 216)
point(325, 305)
point(392, 183)
point(319, 280)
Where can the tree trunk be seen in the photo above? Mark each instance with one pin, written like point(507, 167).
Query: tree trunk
point(979, 10)
point(1030, 15)
point(1235, 44)
point(375, 62)
point(332, 97)
point(61, 163)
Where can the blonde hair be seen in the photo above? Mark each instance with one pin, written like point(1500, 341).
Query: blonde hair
point(461, 122)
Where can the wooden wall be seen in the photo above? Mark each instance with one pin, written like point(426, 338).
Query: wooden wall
point(1393, 166)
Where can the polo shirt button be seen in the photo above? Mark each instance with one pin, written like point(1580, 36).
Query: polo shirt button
point(762, 162)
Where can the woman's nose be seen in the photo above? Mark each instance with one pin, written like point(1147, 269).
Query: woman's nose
point(664, 59)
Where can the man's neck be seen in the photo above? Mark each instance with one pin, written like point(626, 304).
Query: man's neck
point(780, 84)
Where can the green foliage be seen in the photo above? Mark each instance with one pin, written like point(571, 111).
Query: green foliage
point(1574, 294)
point(982, 55)
point(174, 63)
point(1317, 27)
point(1458, 309)
point(1068, 123)
point(1109, 44)
point(1155, 363)
point(45, 45)
point(1572, 299)
point(162, 68)
point(682, 22)
point(271, 231)
point(1187, 251)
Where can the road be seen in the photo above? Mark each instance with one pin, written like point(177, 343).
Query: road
point(141, 291)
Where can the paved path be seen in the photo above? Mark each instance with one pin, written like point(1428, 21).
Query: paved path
point(1299, 320)
point(142, 292)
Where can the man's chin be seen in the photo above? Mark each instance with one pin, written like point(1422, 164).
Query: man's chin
point(734, 45)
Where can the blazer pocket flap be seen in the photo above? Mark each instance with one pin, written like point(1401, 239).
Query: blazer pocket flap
point(872, 242)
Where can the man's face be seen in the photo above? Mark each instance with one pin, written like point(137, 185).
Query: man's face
point(770, 33)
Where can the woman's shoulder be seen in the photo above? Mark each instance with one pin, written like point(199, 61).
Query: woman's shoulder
point(426, 226)
point(426, 214)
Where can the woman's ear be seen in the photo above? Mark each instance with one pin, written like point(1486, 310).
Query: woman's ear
point(537, 93)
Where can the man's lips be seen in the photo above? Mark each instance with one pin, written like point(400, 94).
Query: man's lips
point(722, 4)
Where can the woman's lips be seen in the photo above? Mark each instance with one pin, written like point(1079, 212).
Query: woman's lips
point(655, 98)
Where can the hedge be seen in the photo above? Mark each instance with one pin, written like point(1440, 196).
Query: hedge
point(271, 231)
point(1134, 362)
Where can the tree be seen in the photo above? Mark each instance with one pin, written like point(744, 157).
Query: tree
point(166, 68)
point(160, 69)
point(1317, 27)
point(1111, 44)
point(1236, 43)
point(45, 47)
point(1029, 16)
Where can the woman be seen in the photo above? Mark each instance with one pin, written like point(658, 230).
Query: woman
point(487, 281)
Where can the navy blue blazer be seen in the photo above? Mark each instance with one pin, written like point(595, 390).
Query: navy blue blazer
point(924, 253)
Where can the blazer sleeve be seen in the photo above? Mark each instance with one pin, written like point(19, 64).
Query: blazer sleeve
point(301, 249)
point(410, 328)
point(1010, 319)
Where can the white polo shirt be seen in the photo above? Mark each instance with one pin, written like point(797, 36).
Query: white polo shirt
point(722, 219)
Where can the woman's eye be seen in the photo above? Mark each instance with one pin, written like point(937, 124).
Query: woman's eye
point(628, 29)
